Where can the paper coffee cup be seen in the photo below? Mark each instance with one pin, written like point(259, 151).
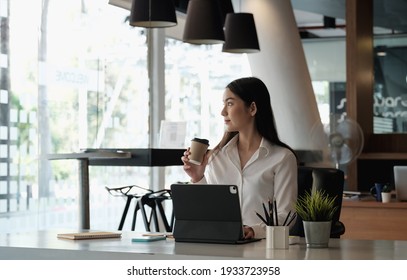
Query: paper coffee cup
point(198, 149)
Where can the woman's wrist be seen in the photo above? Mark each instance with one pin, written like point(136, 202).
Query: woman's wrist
point(194, 180)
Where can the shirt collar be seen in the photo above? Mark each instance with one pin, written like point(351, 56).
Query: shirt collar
point(265, 146)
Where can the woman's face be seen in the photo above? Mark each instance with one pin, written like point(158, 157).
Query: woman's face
point(237, 116)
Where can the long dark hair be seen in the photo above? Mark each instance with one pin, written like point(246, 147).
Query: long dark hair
point(252, 89)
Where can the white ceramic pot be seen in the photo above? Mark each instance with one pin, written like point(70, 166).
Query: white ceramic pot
point(386, 197)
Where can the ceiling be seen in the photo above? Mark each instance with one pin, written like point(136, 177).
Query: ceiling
point(325, 18)
point(389, 16)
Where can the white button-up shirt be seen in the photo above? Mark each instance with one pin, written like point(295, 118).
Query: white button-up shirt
point(271, 173)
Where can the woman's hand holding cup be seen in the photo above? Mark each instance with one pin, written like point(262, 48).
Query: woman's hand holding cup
point(195, 159)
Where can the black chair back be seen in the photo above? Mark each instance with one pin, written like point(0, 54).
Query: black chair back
point(330, 180)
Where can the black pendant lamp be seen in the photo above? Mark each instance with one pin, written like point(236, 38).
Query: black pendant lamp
point(153, 13)
point(240, 34)
point(204, 23)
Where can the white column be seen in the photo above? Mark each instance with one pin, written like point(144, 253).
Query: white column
point(281, 64)
point(156, 73)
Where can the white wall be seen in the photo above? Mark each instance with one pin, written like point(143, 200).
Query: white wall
point(281, 64)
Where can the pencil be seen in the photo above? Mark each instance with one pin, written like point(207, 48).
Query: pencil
point(267, 216)
point(292, 219)
point(261, 218)
point(286, 218)
point(271, 213)
point(275, 210)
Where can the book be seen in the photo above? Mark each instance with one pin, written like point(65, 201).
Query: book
point(148, 238)
point(89, 235)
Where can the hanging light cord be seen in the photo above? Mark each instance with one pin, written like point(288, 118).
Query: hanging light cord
point(149, 13)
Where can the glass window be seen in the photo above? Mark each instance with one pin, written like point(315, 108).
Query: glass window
point(328, 74)
point(74, 78)
point(196, 77)
point(390, 88)
point(390, 67)
point(82, 82)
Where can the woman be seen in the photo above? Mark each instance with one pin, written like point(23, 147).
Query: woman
point(250, 155)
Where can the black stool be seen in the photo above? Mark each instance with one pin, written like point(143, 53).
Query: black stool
point(144, 197)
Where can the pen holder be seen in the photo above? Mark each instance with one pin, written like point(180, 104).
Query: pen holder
point(277, 237)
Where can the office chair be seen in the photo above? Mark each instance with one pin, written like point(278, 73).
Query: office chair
point(331, 181)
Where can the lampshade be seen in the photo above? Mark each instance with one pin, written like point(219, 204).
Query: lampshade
point(204, 24)
point(240, 34)
point(153, 13)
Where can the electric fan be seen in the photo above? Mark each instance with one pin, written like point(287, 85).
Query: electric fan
point(341, 140)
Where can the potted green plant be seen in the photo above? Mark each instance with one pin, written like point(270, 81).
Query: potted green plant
point(316, 209)
point(386, 193)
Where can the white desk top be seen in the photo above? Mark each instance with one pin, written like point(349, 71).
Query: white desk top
point(46, 245)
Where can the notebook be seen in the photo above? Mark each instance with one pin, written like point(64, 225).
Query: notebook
point(89, 235)
point(207, 213)
point(400, 182)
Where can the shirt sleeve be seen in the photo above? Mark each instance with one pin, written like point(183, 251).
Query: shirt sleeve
point(202, 181)
point(285, 192)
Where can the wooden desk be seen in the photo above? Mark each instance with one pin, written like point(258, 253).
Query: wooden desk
point(373, 220)
point(44, 245)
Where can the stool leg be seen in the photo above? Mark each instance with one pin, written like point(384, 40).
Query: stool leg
point(154, 216)
point(133, 224)
point(143, 213)
point(163, 216)
point(172, 220)
point(126, 209)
